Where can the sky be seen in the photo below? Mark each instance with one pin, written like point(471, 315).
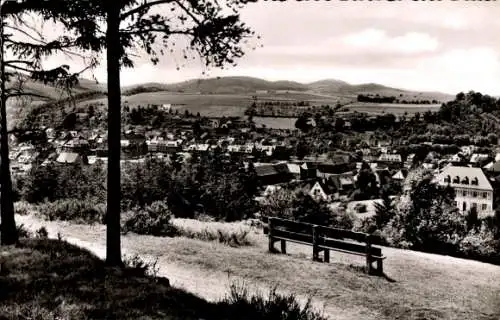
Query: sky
point(447, 46)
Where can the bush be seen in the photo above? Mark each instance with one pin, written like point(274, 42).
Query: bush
point(137, 266)
point(42, 233)
point(76, 210)
point(274, 306)
point(22, 208)
point(23, 232)
point(231, 238)
point(480, 244)
point(153, 220)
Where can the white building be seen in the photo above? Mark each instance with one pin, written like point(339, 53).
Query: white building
point(472, 189)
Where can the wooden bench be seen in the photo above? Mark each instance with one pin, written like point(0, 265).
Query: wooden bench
point(323, 239)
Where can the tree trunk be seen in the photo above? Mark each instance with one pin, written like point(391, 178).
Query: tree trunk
point(8, 224)
point(113, 246)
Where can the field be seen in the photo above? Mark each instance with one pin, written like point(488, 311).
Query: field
point(275, 123)
point(218, 105)
point(416, 285)
point(397, 109)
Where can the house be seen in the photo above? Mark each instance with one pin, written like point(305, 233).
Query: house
point(400, 176)
point(320, 191)
point(343, 182)
point(472, 189)
point(495, 167)
point(479, 158)
point(269, 174)
point(409, 160)
point(388, 157)
point(70, 157)
point(270, 190)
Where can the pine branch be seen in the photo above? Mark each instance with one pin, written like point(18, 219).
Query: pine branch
point(144, 7)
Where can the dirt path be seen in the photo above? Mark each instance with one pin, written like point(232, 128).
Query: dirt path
point(208, 284)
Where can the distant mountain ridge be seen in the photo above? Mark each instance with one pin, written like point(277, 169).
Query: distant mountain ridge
point(246, 85)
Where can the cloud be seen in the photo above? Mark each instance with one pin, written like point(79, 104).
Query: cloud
point(379, 40)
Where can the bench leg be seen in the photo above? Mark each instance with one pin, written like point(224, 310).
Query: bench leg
point(326, 255)
point(271, 245)
point(315, 253)
point(380, 268)
point(369, 267)
point(283, 246)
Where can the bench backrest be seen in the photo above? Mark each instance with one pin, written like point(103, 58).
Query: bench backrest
point(325, 236)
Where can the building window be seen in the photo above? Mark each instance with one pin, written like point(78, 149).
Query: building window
point(464, 193)
point(484, 207)
point(485, 195)
point(455, 203)
point(474, 205)
point(464, 206)
point(474, 194)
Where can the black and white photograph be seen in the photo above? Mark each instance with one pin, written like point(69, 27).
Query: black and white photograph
point(249, 159)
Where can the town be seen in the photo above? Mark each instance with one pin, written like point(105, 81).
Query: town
point(279, 162)
point(249, 160)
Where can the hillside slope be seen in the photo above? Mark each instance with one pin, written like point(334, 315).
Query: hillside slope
point(249, 85)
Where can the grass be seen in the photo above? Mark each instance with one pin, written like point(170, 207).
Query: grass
point(232, 234)
point(52, 279)
point(417, 286)
point(218, 105)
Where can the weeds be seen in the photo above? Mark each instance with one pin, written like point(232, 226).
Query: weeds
point(140, 267)
point(24, 232)
point(274, 306)
point(232, 238)
point(42, 233)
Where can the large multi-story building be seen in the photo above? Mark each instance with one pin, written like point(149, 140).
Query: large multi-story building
point(472, 189)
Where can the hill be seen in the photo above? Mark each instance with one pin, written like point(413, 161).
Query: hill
point(417, 285)
point(230, 96)
point(249, 85)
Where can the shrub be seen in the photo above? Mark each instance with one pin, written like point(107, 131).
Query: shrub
point(24, 232)
point(231, 238)
point(76, 210)
point(139, 267)
point(22, 208)
point(153, 220)
point(480, 244)
point(274, 306)
point(42, 233)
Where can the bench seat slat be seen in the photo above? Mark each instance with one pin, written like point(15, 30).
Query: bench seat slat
point(292, 235)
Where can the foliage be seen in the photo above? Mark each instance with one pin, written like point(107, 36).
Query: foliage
point(42, 233)
point(139, 267)
point(55, 181)
point(154, 220)
point(384, 211)
point(228, 237)
point(73, 209)
point(274, 306)
point(297, 205)
point(481, 244)
point(23, 232)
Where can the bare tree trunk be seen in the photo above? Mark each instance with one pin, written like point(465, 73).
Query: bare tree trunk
point(113, 246)
point(8, 224)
